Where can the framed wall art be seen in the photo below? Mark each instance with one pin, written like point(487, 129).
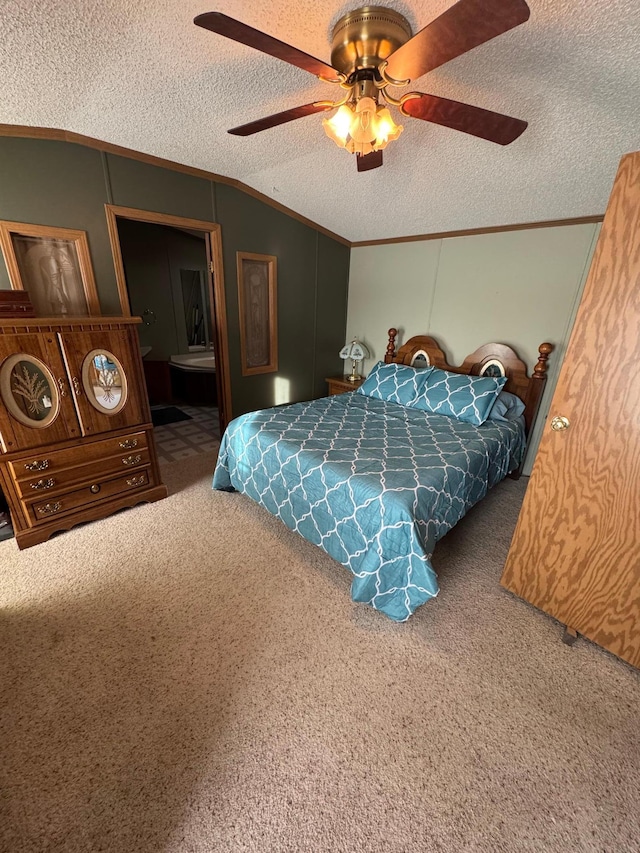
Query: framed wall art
point(257, 298)
point(53, 265)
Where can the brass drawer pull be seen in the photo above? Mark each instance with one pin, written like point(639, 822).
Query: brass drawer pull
point(95, 488)
point(137, 481)
point(37, 465)
point(49, 509)
point(43, 484)
point(129, 443)
point(131, 460)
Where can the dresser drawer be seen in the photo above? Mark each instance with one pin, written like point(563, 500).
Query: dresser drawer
point(44, 465)
point(51, 482)
point(44, 509)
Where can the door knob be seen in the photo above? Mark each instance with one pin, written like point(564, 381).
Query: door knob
point(560, 423)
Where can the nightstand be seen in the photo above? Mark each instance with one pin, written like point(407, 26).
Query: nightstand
point(339, 384)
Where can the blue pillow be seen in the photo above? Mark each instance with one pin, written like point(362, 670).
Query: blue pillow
point(468, 398)
point(395, 383)
point(508, 407)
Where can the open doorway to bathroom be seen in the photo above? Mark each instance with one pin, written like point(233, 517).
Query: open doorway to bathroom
point(169, 273)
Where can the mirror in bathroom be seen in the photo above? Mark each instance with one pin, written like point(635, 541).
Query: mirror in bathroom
point(197, 315)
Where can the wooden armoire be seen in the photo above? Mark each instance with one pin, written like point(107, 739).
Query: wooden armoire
point(576, 550)
point(76, 439)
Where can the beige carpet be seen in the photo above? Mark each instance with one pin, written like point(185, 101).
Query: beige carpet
point(190, 677)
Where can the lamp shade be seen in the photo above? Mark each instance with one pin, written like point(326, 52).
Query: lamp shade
point(355, 350)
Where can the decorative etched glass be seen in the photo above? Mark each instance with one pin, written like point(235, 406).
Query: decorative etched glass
point(29, 391)
point(104, 381)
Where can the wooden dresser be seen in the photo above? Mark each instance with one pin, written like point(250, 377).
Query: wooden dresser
point(76, 439)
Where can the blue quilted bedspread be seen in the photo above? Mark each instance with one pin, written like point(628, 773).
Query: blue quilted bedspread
point(373, 483)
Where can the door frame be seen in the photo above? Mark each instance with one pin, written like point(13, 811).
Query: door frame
point(215, 279)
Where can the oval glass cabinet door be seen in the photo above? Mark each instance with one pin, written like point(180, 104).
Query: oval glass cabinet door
point(104, 381)
point(29, 391)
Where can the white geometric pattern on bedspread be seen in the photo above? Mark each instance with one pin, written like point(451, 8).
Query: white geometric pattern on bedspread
point(374, 484)
point(395, 383)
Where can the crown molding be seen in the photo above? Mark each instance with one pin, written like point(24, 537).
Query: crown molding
point(470, 232)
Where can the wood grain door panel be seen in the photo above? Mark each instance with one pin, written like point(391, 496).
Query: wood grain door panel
point(18, 436)
point(576, 548)
point(76, 346)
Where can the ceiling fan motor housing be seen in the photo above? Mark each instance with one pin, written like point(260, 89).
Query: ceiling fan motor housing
point(367, 36)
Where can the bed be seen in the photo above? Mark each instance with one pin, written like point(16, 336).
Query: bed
point(377, 483)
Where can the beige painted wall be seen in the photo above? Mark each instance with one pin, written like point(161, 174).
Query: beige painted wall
point(515, 287)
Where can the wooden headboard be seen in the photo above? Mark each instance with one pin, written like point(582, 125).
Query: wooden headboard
point(488, 360)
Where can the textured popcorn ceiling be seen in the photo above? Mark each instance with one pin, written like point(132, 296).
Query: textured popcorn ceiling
point(140, 74)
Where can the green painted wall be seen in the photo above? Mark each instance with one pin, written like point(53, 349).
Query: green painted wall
point(312, 299)
point(514, 287)
point(64, 184)
point(56, 183)
point(331, 307)
point(136, 184)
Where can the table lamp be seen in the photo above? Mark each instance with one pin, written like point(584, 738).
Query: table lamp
point(356, 351)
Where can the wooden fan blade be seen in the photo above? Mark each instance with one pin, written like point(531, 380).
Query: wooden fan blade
point(369, 161)
point(279, 118)
point(473, 120)
point(464, 26)
point(236, 30)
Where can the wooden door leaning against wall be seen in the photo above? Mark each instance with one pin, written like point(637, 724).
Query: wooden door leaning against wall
point(213, 239)
point(575, 552)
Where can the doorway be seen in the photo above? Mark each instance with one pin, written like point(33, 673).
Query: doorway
point(169, 272)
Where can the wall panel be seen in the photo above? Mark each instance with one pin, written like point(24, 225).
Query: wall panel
point(141, 185)
point(331, 311)
point(59, 183)
point(391, 285)
point(250, 226)
point(516, 287)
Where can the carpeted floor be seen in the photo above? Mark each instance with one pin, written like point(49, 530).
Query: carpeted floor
point(190, 676)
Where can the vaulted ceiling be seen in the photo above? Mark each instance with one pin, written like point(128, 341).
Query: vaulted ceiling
point(141, 75)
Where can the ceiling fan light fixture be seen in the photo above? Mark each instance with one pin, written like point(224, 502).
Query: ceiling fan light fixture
point(372, 48)
point(363, 128)
point(337, 127)
point(387, 130)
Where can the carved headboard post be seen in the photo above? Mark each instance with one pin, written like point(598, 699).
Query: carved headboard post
point(540, 370)
point(537, 383)
point(391, 346)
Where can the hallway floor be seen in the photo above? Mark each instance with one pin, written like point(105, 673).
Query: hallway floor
point(200, 434)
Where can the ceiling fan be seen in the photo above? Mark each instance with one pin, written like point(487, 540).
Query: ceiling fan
point(373, 48)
